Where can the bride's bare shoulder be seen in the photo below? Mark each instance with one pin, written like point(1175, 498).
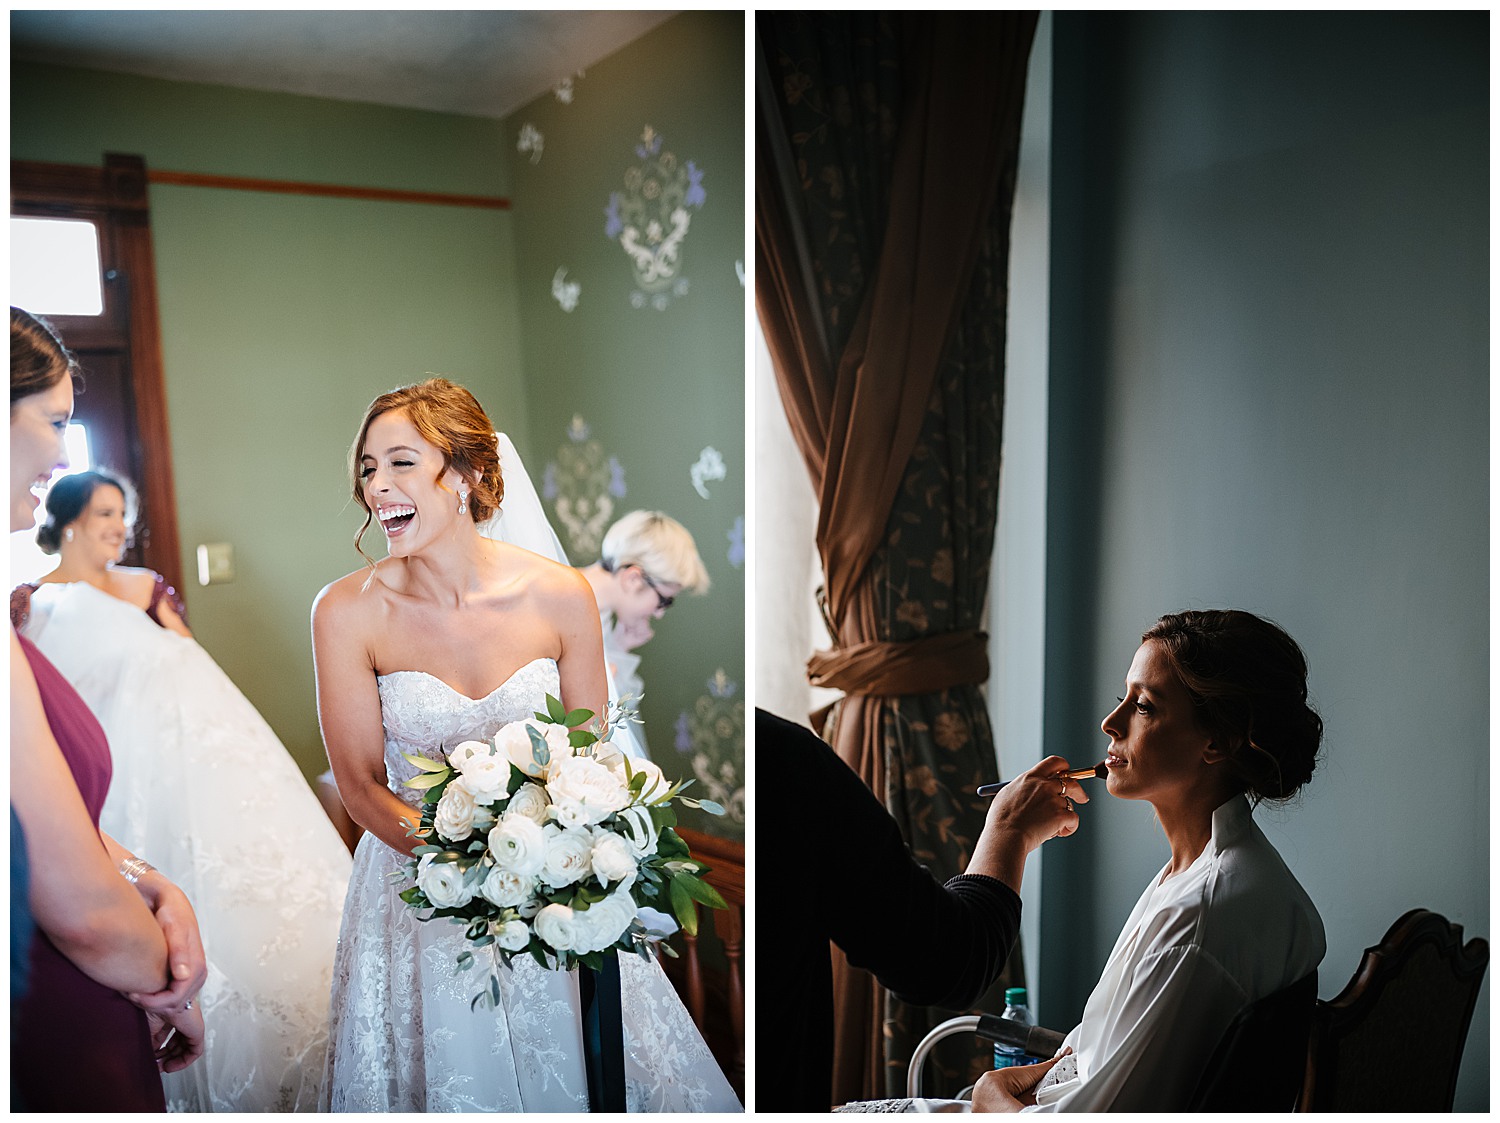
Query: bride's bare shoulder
point(544, 577)
point(354, 596)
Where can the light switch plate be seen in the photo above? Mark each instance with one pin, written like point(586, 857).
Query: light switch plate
point(215, 563)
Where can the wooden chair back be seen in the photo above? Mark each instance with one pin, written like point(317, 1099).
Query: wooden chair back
point(1393, 1038)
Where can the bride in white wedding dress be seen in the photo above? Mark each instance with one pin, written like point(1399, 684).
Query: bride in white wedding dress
point(446, 639)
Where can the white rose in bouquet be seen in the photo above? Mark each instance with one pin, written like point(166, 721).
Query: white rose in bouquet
point(531, 801)
point(514, 744)
point(585, 792)
point(556, 737)
point(466, 749)
point(611, 857)
point(513, 935)
point(518, 845)
point(557, 927)
point(604, 922)
point(639, 831)
point(459, 813)
point(442, 883)
point(506, 888)
point(567, 860)
point(656, 784)
point(486, 777)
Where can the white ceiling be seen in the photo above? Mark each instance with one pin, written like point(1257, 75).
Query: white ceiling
point(479, 63)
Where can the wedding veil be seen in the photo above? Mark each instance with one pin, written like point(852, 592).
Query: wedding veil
point(522, 521)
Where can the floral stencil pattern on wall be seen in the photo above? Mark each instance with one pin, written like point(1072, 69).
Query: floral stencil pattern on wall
point(582, 485)
point(530, 141)
point(712, 733)
point(650, 219)
point(736, 538)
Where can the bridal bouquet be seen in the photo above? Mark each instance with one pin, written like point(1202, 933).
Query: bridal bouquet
point(548, 841)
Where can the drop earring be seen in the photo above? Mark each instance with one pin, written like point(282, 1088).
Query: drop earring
point(68, 534)
point(463, 502)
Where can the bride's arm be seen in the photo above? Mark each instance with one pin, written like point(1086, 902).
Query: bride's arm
point(78, 897)
point(580, 666)
point(349, 716)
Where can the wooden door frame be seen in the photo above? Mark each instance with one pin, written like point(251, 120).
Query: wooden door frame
point(117, 191)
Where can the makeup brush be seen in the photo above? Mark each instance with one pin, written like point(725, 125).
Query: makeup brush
point(1094, 772)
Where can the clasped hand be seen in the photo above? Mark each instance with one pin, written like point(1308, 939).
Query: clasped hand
point(176, 1022)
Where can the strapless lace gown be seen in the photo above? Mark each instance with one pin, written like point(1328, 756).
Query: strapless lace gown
point(402, 1035)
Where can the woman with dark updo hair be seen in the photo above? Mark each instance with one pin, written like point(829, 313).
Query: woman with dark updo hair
point(1215, 719)
point(203, 785)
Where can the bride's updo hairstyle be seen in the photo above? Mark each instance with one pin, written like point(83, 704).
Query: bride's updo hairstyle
point(1248, 681)
point(70, 496)
point(38, 359)
point(451, 420)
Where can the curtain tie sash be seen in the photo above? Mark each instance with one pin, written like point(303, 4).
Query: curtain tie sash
point(880, 668)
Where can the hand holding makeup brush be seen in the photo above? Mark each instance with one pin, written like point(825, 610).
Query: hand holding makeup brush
point(1030, 809)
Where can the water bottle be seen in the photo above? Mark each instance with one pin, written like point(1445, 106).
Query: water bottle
point(1015, 1011)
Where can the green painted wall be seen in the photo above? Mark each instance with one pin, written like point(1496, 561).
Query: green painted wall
point(655, 376)
point(282, 316)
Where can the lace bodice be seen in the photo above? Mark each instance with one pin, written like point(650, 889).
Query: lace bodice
point(425, 716)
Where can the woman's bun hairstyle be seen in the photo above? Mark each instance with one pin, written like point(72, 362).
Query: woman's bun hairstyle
point(70, 496)
point(1248, 680)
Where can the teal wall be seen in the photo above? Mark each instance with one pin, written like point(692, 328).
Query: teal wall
point(283, 315)
point(1270, 390)
point(655, 373)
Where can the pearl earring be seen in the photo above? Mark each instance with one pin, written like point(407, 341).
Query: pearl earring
point(68, 534)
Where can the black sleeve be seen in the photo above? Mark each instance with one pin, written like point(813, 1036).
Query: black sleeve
point(932, 944)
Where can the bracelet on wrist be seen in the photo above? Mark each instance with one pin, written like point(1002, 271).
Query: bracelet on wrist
point(133, 869)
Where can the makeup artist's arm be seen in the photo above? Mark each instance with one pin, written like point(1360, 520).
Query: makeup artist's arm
point(1026, 813)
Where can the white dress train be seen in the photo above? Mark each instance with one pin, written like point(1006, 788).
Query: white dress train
point(403, 1035)
point(204, 790)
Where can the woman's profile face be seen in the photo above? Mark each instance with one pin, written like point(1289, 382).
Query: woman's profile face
point(100, 532)
point(38, 425)
point(398, 472)
point(1156, 746)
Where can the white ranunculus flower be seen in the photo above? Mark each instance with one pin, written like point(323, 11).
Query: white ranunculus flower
point(639, 831)
point(507, 888)
point(466, 750)
point(514, 744)
point(455, 812)
point(518, 845)
point(656, 784)
point(486, 777)
point(557, 927)
point(585, 791)
point(567, 860)
point(513, 935)
point(443, 883)
point(531, 801)
point(611, 857)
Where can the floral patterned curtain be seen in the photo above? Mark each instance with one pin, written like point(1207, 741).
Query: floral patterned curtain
point(885, 171)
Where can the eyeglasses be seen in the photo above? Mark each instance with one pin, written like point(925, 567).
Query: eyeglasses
point(663, 602)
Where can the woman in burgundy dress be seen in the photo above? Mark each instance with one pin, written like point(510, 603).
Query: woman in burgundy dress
point(116, 960)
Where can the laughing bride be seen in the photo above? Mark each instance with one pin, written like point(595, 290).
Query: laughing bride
point(444, 640)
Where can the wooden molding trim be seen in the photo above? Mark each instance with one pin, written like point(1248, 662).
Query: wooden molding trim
point(330, 190)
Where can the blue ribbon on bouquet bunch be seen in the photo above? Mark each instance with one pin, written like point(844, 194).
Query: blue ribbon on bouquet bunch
point(603, 1034)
